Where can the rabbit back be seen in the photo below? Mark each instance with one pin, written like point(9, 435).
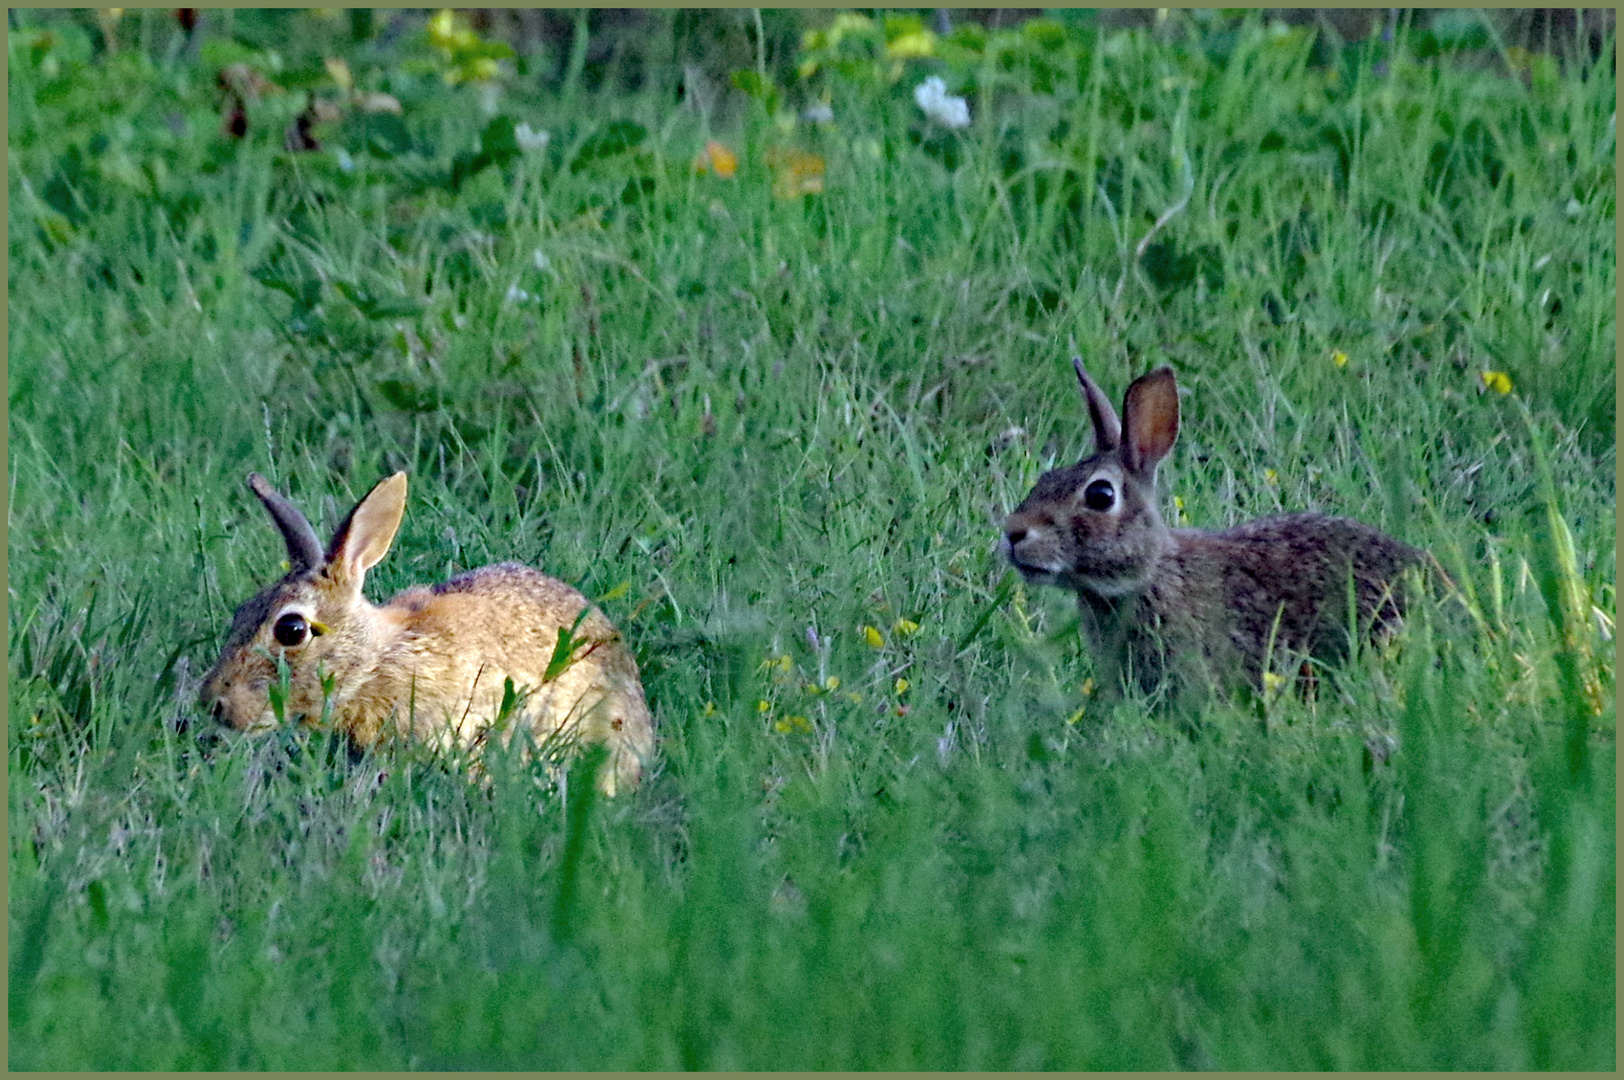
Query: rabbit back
point(1276, 587)
point(457, 644)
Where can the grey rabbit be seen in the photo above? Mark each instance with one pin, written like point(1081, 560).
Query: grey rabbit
point(1171, 607)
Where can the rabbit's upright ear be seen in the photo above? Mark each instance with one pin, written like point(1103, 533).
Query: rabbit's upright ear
point(1107, 429)
point(364, 537)
point(304, 550)
point(1150, 421)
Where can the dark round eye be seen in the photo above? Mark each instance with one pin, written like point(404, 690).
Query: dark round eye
point(291, 629)
point(1099, 495)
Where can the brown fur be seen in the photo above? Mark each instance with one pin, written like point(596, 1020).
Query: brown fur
point(1181, 606)
point(433, 662)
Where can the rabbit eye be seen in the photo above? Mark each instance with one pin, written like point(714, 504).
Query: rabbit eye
point(1099, 495)
point(291, 629)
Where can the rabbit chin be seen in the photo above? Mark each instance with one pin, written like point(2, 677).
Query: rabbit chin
point(1034, 575)
point(266, 721)
point(1107, 588)
point(262, 722)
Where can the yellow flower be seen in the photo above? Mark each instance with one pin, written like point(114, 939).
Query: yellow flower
point(855, 698)
point(762, 706)
point(902, 686)
point(905, 628)
point(1498, 381)
point(718, 159)
point(832, 683)
point(1270, 477)
point(795, 172)
point(787, 724)
point(709, 710)
point(1272, 683)
point(846, 22)
point(449, 32)
point(1339, 358)
point(1178, 508)
point(875, 639)
point(480, 69)
point(913, 44)
point(1088, 687)
point(339, 70)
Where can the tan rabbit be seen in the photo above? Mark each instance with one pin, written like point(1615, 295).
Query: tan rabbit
point(432, 662)
point(1176, 606)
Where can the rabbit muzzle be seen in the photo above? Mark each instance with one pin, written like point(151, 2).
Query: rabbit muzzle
point(1047, 554)
point(237, 706)
point(1030, 546)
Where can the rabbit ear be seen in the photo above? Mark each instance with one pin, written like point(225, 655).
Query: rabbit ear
point(364, 537)
point(1151, 420)
point(1107, 428)
point(304, 550)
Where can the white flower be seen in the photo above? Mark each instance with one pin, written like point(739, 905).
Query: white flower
point(818, 113)
point(940, 106)
point(530, 140)
point(516, 295)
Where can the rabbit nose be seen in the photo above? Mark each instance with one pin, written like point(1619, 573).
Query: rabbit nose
point(1015, 533)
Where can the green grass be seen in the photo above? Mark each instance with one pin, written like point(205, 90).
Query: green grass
point(758, 426)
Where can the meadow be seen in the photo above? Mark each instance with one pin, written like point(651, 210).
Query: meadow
point(760, 358)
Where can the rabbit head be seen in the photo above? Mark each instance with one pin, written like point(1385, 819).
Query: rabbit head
point(1093, 527)
point(315, 620)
